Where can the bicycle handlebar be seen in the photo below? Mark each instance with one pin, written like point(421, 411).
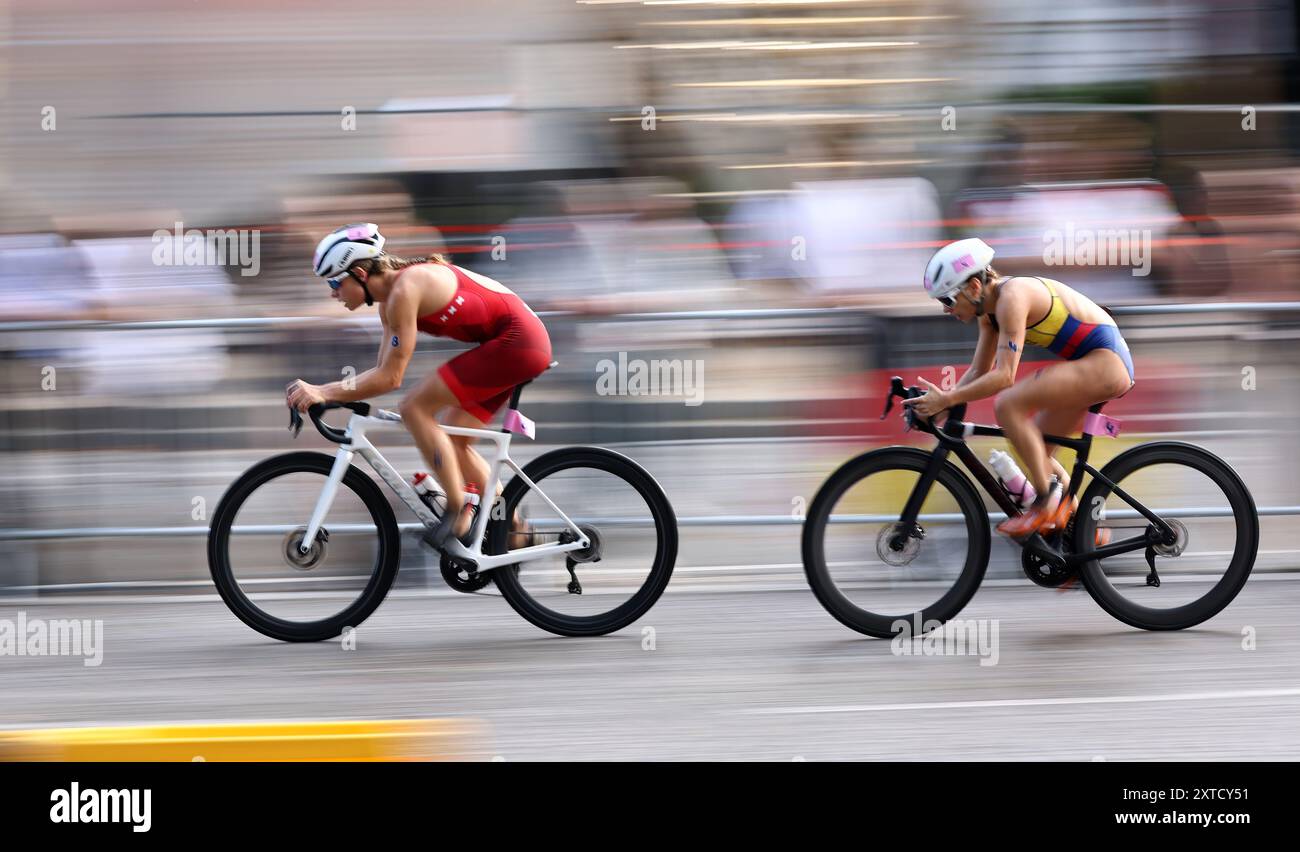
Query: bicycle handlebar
point(916, 421)
point(338, 436)
point(896, 389)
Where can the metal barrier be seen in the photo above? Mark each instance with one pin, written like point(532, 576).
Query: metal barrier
point(697, 521)
point(742, 313)
point(689, 521)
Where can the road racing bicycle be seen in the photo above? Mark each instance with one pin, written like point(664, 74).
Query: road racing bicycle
point(898, 537)
point(304, 545)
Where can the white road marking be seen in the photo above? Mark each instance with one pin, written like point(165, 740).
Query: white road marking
point(1028, 702)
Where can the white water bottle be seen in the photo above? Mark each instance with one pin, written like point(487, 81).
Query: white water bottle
point(427, 488)
point(1012, 478)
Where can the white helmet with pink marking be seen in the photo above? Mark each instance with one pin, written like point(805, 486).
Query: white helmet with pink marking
point(953, 264)
point(346, 246)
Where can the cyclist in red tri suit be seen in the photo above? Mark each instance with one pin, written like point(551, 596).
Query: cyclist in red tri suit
point(434, 296)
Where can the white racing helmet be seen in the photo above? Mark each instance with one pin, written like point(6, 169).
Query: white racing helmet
point(953, 264)
point(346, 246)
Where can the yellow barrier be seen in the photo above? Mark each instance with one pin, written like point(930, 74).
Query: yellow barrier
point(383, 740)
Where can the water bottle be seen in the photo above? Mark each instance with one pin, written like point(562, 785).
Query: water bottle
point(471, 502)
point(427, 488)
point(1012, 478)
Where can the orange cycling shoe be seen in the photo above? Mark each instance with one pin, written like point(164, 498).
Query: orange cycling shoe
point(1064, 512)
point(1100, 538)
point(1036, 516)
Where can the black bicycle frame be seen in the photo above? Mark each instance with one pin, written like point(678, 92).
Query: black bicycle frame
point(952, 439)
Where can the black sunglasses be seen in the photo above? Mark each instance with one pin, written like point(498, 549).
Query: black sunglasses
point(948, 301)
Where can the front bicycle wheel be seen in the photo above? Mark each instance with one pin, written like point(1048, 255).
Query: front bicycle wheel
point(873, 573)
point(268, 582)
point(1202, 570)
point(624, 513)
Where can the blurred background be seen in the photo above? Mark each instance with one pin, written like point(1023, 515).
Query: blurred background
point(786, 166)
point(754, 186)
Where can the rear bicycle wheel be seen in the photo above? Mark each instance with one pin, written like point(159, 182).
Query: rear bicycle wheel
point(1200, 573)
point(264, 578)
point(622, 510)
point(877, 577)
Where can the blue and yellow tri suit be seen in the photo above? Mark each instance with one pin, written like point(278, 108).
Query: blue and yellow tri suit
point(1062, 333)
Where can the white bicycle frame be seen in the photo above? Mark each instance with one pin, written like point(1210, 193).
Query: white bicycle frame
point(358, 443)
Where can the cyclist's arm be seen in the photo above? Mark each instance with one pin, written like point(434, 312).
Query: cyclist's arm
point(985, 351)
point(1012, 309)
point(384, 339)
point(396, 350)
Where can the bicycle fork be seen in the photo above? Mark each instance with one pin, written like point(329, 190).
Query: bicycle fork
point(342, 462)
point(908, 527)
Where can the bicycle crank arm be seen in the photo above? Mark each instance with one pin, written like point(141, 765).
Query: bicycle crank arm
point(1038, 546)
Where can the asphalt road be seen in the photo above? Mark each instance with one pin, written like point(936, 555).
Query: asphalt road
point(709, 674)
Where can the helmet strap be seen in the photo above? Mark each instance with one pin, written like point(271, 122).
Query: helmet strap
point(370, 300)
point(979, 303)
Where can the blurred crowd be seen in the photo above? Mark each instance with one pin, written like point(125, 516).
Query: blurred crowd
point(598, 245)
point(613, 157)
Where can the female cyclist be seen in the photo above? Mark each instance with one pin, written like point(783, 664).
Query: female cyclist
point(434, 296)
point(1012, 311)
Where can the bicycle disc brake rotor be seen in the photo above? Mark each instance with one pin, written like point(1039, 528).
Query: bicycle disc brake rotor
point(911, 545)
point(294, 556)
point(1180, 543)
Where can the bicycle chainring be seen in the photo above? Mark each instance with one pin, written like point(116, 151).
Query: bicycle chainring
point(460, 577)
point(1042, 573)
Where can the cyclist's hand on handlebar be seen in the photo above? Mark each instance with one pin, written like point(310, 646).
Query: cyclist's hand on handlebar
point(932, 402)
point(302, 395)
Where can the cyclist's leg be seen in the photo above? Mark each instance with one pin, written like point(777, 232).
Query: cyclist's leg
point(1063, 422)
point(481, 380)
point(472, 465)
point(476, 470)
point(1063, 390)
point(419, 412)
point(1060, 422)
